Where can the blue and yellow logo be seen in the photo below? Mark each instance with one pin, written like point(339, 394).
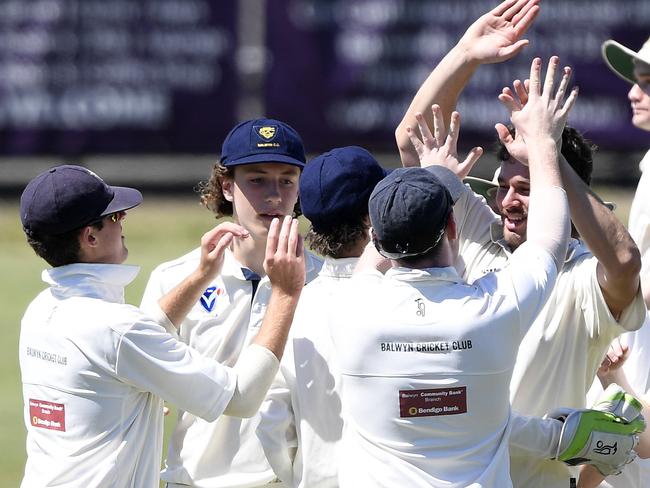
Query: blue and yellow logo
point(267, 132)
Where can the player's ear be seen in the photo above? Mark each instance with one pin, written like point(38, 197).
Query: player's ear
point(227, 184)
point(88, 237)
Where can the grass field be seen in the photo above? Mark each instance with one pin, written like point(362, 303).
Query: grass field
point(161, 229)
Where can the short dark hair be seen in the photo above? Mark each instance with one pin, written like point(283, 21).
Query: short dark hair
point(59, 250)
point(211, 192)
point(339, 240)
point(577, 150)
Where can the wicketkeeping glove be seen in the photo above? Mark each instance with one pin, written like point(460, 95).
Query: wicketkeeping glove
point(605, 436)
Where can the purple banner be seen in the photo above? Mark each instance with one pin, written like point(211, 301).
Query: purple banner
point(93, 76)
point(344, 72)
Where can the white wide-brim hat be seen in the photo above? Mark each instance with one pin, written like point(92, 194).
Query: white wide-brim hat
point(621, 59)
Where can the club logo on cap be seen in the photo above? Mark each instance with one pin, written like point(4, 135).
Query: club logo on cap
point(267, 132)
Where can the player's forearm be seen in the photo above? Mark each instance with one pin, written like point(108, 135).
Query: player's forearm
point(179, 301)
point(618, 256)
point(277, 321)
point(443, 87)
point(255, 369)
point(548, 217)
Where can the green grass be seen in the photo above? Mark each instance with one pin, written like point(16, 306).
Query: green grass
point(159, 230)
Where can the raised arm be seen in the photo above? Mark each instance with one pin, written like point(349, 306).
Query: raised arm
point(619, 260)
point(540, 123)
point(495, 37)
point(179, 301)
point(256, 368)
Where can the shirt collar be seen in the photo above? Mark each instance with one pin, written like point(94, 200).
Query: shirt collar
point(576, 247)
point(92, 280)
point(232, 267)
point(338, 268)
point(447, 273)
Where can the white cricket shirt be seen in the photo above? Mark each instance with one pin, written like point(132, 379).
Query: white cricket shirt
point(426, 361)
point(94, 373)
point(559, 355)
point(301, 417)
point(226, 319)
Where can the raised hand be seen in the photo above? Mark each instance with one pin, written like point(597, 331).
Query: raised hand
point(440, 148)
point(616, 356)
point(541, 111)
point(284, 261)
point(496, 36)
point(214, 244)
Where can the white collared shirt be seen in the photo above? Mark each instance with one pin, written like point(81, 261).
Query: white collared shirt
point(559, 355)
point(94, 373)
point(301, 417)
point(426, 361)
point(226, 319)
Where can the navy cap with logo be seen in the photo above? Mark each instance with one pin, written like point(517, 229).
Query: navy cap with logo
point(262, 141)
point(335, 186)
point(409, 210)
point(68, 197)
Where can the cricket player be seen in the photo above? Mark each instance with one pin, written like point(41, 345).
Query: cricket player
point(95, 370)
point(302, 422)
point(301, 417)
point(597, 296)
point(628, 361)
point(426, 358)
point(255, 181)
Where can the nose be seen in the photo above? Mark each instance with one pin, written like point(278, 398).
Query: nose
point(635, 93)
point(273, 194)
point(509, 199)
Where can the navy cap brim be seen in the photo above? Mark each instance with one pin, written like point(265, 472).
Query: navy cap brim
point(124, 198)
point(265, 158)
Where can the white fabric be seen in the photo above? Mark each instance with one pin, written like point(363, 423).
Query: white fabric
point(301, 417)
point(639, 220)
point(637, 366)
point(256, 368)
point(224, 453)
point(426, 334)
point(548, 225)
point(637, 371)
point(558, 357)
point(94, 374)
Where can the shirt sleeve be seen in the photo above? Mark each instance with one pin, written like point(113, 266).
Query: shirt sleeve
point(528, 277)
point(149, 304)
point(598, 318)
point(534, 436)
point(277, 430)
point(152, 360)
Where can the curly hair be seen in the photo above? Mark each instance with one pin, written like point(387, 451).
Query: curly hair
point(211, 192)
point(577, 150)
point(58, 250)
point(338, 241)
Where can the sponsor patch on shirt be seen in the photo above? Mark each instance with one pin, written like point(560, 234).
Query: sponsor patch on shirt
point(47, 415)
point(432, 402)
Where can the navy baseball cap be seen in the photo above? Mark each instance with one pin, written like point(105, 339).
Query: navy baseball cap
point(68, 197)
point(262, 141)
point(409, 210)
point(335, 186)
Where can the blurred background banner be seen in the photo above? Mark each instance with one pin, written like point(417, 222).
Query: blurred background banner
point(133, 78)
point(121, 76)
point(345, 71)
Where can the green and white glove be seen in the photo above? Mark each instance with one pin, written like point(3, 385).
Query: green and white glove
point(604, 436)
